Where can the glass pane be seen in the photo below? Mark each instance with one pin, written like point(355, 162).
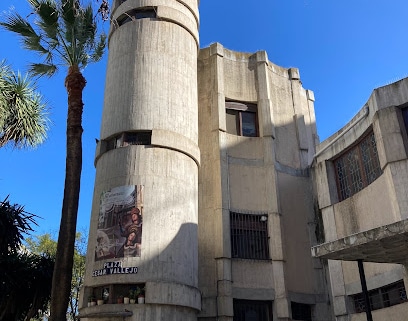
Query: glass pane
point(249, 124)
point(232, 121)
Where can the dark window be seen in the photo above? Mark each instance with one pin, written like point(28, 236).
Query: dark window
point(241, 119)
point(358, 167)
point(249, 236)
point(405, 117)
point(129, 138)
point(380, 298)
point(249, 310)
point(140, 13)
point(301, 311)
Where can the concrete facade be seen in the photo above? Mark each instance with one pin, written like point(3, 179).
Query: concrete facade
point(256, 175)
point(176, 173)
point(370, 225)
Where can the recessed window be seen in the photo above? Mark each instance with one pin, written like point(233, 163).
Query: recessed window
point(251, 310)
point(380, 298)
point(140, 13)
point(129, 138)
point(249, 236)
point(241, 119)
point(301, 311)
point(358, 167)
point(405, 117)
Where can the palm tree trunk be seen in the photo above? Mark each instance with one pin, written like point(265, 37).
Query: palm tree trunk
point(61, 282)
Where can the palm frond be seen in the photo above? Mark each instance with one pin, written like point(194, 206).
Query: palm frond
point(69, 11)
point(97, 53)
point(48, 15)
point(17, 24)
point(38, 69)
point(63, 33)
point(26, 121)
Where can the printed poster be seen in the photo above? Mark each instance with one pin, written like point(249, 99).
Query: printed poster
point(120, 221)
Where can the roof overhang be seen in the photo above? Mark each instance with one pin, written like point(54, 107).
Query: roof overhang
point(385, 244)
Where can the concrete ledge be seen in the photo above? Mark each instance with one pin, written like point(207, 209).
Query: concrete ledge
point(173, 294)
point(107, 311)
point(177, 13)
point(172, 140)
point(173, 15)
point(385, 244)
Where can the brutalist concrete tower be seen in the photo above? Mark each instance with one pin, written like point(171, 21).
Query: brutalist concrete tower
point(143, 234)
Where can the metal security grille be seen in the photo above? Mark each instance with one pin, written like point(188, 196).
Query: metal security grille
point(249, 310)
point(249, 236)
point(358, 167)
point(380, 298)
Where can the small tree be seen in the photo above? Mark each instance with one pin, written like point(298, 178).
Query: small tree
point(46, 244)
point(25, 278)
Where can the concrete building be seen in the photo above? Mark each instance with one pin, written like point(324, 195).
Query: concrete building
point(209, 190)
point(361, 176)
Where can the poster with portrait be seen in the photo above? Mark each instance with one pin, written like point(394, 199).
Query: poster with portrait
point(120, 221)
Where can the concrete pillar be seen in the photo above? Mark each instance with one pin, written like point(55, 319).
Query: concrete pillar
point(266, 123)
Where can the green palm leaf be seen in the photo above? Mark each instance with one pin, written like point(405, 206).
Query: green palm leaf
point(24, 120)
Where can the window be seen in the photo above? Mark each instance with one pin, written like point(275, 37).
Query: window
point(301, 311)
point(249, 236)
point(241, 119)
point(250, 310)
point(380, 298)
point(358, 167)
point(129, 138)
point(148, 12)
point(405, 117)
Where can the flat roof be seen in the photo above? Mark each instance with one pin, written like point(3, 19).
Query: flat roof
point(384, 244)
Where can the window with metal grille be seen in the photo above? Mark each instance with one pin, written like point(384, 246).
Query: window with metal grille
point(129, 138)
point(380, 298)
point(241, 119)
point(358, 167)
point(249, 236)
point(301, 311)
point(250, 310)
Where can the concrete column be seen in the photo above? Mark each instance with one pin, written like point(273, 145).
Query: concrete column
point(217, 92)
point(265, 115)
point(281, 303)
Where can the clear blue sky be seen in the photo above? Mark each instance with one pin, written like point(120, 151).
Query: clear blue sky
point(343, 49)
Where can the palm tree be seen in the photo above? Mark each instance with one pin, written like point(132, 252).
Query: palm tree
point(23, 114)
point(64, 33)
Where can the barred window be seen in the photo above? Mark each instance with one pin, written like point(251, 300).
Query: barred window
point(301, 311)
point(249, 236)
point(251, 310)
point(380, 298)
point(241, 119)
point(358, 167)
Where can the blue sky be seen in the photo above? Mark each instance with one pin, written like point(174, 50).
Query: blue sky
point(343, 49)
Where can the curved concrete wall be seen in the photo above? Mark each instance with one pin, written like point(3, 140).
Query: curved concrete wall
point(151, 85)
point(382, 202)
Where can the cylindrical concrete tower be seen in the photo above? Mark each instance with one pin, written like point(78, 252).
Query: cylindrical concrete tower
point(143, 233)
